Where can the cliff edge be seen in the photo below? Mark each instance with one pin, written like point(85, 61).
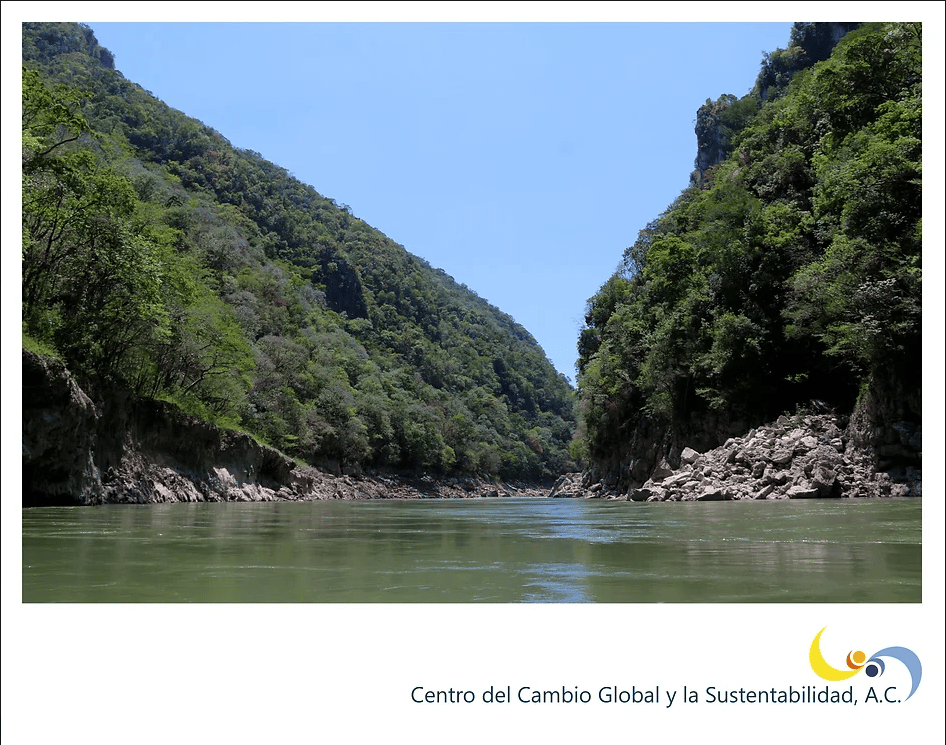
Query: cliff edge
point(128, 450)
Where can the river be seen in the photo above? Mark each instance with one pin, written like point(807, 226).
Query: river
point(476, 551)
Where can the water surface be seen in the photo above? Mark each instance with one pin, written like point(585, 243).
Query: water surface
point(465, 551)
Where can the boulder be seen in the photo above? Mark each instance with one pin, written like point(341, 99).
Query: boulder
point(662, 471)
point(798, 458)
point(644, 494)
point(802, 492)
point(714, 494)
point(823, 480)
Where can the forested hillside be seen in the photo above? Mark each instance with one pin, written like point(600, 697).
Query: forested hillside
point(159, 259)
point(787, 276)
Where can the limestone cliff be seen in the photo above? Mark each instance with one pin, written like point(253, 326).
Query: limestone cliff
point(59, 426)
point(718, 121)
point(124, 449)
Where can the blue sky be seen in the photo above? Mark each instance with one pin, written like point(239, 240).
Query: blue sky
point(520, 158)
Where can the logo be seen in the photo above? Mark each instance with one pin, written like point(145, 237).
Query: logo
point(857, 661)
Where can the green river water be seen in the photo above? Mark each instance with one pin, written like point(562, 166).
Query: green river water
point(476, 551)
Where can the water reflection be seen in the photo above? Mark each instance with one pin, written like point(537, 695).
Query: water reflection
point(551, 551)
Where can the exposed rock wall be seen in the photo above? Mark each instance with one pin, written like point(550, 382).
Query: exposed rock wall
point(130, 450)
point(344, 291)
point(59, 425)
point(810, 43)
point(712, 136)
point(806, 457)
point(887, 421)
point(125, 449)
point(647, 442)
point(814, 456)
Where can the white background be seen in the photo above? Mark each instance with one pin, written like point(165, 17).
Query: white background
point(283, 673)
point(251, 674)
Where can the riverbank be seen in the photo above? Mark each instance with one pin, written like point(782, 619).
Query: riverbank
point(136, 451)
point(801, 457)
point(126, 450)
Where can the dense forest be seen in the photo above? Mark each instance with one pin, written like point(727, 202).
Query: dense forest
point(159, 260)
point(787, 275)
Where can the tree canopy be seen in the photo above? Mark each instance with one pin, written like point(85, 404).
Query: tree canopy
point(791, 269)
point(159, 259)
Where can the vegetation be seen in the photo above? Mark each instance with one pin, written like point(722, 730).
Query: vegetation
point(791, 269)
point(158, 258)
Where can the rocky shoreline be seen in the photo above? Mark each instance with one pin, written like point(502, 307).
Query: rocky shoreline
point(135, 451)
point(802, 457)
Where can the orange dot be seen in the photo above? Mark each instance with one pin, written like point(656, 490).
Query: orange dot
point(858, 657)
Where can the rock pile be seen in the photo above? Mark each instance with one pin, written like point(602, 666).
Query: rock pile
point(568, 485)
point(575, 485)
point(804, 457)
point(145, 478)
point(78, 452)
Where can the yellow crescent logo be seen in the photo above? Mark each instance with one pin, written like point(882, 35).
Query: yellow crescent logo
point(822, 668)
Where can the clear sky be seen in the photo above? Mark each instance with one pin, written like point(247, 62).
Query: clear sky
point(520, 158)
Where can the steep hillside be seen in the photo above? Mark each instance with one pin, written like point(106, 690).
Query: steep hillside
point(718, 121)
point(160, 260)
point(786, 279)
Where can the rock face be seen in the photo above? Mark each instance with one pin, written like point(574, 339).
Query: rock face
point(887, 424)
point(59, 423)
point(343, 289)
point(803, 457)
point(130, 450)
point(712, 136)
